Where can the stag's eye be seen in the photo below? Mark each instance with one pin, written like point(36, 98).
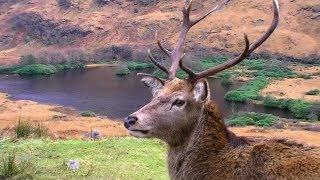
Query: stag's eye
point(179, 103)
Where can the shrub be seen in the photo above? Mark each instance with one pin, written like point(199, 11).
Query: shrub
point(247, 92)
point(123, 71)
point(114, 53)
point(29, 59)
point(313, 92)
point(12, 169)
point(88, 114)
point(272, 102)
point(46, 31)
point(299, 108)
point(305, 76)
point(36, 69)
point(252, 118)
point(65, 4)
point(23, 130)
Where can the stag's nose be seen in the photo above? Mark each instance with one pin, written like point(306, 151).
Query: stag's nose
point(130, 121)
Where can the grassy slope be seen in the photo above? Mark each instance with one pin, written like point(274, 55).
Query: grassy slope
point(117, 158)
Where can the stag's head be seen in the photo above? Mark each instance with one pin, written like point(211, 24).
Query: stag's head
point(177, 105)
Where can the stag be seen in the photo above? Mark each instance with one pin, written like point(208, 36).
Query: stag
point(199, 144)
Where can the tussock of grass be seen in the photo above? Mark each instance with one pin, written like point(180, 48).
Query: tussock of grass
point(248, 91)
point(252, 119)
point(11, 168)
point(23, 129)
point(88, 114)
point(117, 158)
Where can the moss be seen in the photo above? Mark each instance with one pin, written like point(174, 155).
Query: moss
point(248, 91)
point(252, 118)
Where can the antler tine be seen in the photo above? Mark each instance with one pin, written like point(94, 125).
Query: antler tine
point(155, 62)
point(248, 50)
point(187, 24)
point(164, 49)
point(186, 69)
point(162, 81)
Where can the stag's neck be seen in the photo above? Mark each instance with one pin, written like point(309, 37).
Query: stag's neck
point(209, 138)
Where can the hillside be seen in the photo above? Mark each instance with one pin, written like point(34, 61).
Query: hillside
point(106, 29)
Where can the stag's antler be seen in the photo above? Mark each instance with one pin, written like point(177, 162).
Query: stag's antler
point(176, 57)
point(175, 54)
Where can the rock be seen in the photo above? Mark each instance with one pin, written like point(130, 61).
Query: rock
point(73, 165)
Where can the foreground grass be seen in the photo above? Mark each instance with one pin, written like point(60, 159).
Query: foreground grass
point(117, 158)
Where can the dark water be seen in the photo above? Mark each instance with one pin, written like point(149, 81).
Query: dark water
point(101, 91)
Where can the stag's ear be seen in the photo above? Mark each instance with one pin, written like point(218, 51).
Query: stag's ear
point(201, 90)
point(153, 83)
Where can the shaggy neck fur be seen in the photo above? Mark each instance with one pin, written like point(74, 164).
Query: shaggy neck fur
point(208, 138)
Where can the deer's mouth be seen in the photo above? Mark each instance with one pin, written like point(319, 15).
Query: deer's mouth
point(141, 131)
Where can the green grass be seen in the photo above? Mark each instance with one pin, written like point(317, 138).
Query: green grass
point(88, 114)
point(256, 64)
point(314, 92)
point(123, 71)
point(23, 129)
point(299, 108)
point(136, 66)
point(36, 69)
point(116, 158)
point(180, 74)
point(252, 119)
point(276, 71)
point(248, 91)
point(11, 168)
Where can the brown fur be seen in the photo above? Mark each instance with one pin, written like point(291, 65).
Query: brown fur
point(201, 147)
point(210, 153)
